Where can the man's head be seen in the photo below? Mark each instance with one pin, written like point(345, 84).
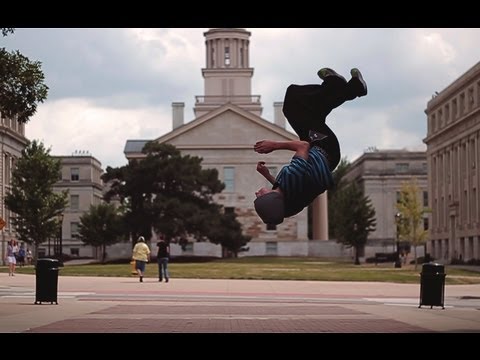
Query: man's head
point(141, 239)
point(270, 207)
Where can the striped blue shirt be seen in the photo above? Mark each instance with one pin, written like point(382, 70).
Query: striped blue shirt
point(303, 180)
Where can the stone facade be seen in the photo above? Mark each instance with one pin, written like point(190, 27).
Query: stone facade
point(13, 141)
point(227, 124)
point(381, 174)
point(81, 177)
point(224, 140)
point(453, 153)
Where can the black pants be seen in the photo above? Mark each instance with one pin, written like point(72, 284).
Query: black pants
point(306, 108)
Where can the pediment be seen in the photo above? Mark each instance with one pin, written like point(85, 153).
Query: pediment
point(228, 126)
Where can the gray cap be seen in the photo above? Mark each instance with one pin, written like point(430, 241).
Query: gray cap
point(270, 207)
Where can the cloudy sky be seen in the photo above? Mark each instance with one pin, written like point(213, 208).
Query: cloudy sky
point(110, 85)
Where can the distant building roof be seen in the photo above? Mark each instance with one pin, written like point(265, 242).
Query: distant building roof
point(134, 146)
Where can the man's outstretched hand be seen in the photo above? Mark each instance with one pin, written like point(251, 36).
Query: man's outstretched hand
point(264, 146)
point(262, 169)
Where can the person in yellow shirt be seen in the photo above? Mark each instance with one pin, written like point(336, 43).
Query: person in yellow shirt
point(141, 255)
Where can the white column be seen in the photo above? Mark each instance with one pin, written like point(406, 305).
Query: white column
point(207, 49)
point(234, 53)
point(476, 247)
point(320, 217)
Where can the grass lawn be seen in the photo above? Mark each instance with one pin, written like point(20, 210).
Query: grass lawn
point(272, 268)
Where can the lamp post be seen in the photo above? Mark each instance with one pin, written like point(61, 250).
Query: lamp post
point(398, 219)
point(58, 248)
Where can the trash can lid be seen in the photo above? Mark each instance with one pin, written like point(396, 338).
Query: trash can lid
point(433, 268)
point(47, 263)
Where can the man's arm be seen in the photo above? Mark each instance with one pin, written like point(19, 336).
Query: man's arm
point(267, 146)
point(262, 169)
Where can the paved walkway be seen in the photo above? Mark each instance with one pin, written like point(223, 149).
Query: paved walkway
point(124, 305)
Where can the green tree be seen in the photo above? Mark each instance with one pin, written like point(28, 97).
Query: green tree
point(5, 31)
point(32, 197)
point(334, 214)
point(21, 84)
point(131, 185)
point(101, 226)
point(166, 192)
point(357, 220)
point(227, 231)
point(411, 215)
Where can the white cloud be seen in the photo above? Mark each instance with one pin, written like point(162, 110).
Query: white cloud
point(438, 48)
point(75, 124)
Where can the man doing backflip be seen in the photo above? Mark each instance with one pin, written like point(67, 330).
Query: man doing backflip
point(317, 152)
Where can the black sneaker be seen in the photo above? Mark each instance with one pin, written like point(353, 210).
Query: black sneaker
point(141, 278)
point(356, 74)
point(325, 72)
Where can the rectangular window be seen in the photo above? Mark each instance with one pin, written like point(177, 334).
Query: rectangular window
point(447, 167)
point(75, 251)
point(425, 223)
point(6, 172)
point(401, 167)
point(398, 194)
point(471, 99)
point(229, 178)
point(455, 170)
point(470, 252)
point(73, 229)
point(271, 248)
point(227, 55)
point(425, 199)
point(229, 210)
point(7, 218)
point(441, 168)
point(74, 174)
point(74, 202)
point(441, 212)
point(473, 205)
point(472, 159)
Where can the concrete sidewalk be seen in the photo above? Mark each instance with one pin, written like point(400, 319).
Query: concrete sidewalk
point(124, 305)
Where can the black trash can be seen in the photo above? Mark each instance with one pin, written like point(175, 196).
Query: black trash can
point(432, 285)
point(46, 277)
